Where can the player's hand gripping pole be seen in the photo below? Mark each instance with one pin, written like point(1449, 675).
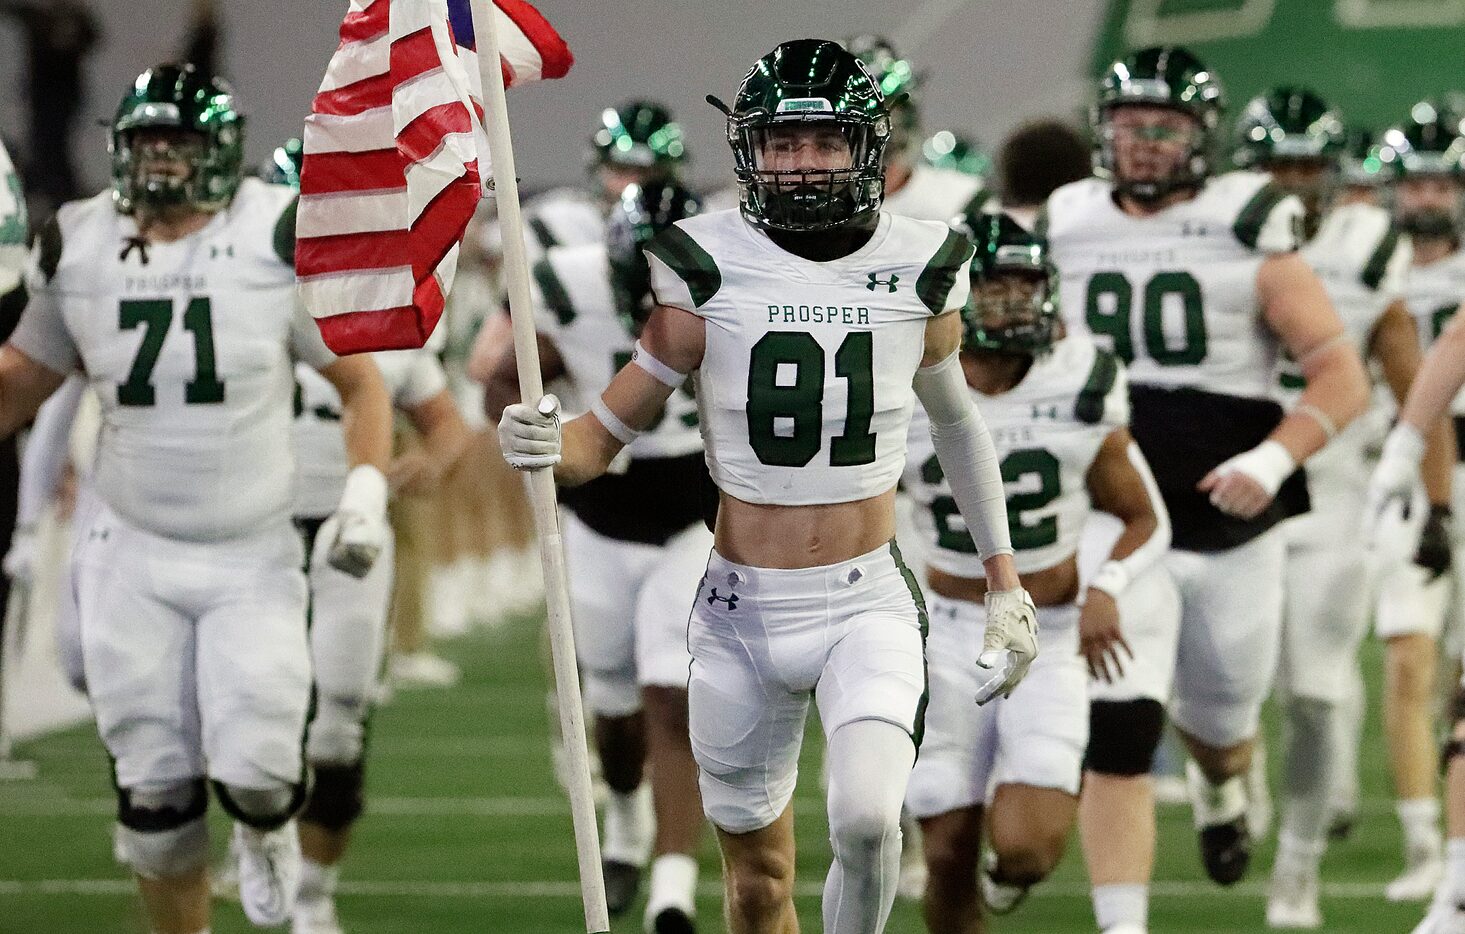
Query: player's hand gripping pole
point(541, 482)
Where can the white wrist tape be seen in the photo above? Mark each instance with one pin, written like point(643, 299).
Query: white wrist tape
point(1405, 443)
point(966, 453)
point(1323, 419)
point(1269, 464)
point(659, 371)
point(365, 491)
point(1111, 577)
point(618, 429)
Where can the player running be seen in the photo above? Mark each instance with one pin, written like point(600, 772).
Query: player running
point(175, 293)
point(1362, 261)
point(1195, 282)
point(811, 315)
point(635, 569)
point(1058, 410)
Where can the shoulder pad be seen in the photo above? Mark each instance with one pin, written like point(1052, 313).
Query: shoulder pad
point(1089, 406)
point(1378, 262)
point(49, 247)
point(556, 299)
point(686, 258)
point(283, 237)
point(935, 282)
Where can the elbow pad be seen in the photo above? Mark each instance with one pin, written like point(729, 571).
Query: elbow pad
point(966, 453)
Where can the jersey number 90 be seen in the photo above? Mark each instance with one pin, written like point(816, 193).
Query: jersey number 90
point(1110, 306)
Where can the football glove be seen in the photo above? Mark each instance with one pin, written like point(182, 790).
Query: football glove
point(358, 529)
point(530, 435)
point(1395, 477)
point(1433, 553)
point(1010, 643)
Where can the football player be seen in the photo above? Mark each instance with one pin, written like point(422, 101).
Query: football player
point(1035, 160)
point(1393, 484)
point(946, 149)
point(1426, 159)
point(1058, 411)
point(348, 614)
point(913, 186)
point(635, 569)
point(810, 315)
point(1195, 282)
point(1361, 170)
point(1356, 250)
point(174, 292)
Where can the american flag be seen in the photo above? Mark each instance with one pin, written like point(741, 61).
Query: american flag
point(394, 154)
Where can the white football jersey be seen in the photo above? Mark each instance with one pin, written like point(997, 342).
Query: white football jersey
point(1173, 295)
point(576, 309)
point(932, 194)
point(1363, 264)
point(1048, 430)
point(190, 348)
point(805, 386)
point(413, 377)
point(558, 217)
point(1434, 292)
point(13, 226)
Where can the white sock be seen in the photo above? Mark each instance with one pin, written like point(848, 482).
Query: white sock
point(1124, 903)
point(1297, 857)
point(1214, 804)
point(673, 884)
point(317, 880)
point(1420, 818)
point(629, 826)
point(1455, 867)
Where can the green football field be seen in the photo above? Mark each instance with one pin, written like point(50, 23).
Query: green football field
point(468, 832)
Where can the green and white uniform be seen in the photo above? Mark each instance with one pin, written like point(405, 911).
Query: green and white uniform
point(1048, 430)
point(635, 539)
point(805, 398)
point(1174, 296)
point(932, 194)
point(188, 573)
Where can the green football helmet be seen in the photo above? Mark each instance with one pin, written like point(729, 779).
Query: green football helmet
point(1361, 165)
point(956, 151)
point(1289, 123)
point(642, 212)
point(898, 81)
point(1014, 303)
point(283, 167)
point(177, 97)
point(810, 85)
point(1160, 76)
point(638, 135)
point(1430, 142)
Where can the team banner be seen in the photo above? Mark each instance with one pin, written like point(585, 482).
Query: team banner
point(394, 157)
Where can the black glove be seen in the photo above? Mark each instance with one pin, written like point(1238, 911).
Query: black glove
point(1434, 542)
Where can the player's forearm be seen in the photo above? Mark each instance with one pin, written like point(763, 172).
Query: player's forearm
point(1336, 394)
point(586, 451)
point(366, 421)
point(47, 452)
point(1146, 535)
point(1438, 381)
point(1436, 468)
point(444, 434)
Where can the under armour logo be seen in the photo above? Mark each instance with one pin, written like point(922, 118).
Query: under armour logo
point(1045, 412)
point(215, 251)
point(876, 280)
point(731, 599)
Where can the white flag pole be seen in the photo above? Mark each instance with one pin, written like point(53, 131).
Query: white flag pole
point(540, 483)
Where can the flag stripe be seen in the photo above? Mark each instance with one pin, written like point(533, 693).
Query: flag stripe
point(351, 212)
point(526, 25)
point(382, 249)
point(365, 21)
point(335, 172)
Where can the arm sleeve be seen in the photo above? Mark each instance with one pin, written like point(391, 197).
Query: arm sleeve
point(966, 453)
point(306, 344)
point(47, 449)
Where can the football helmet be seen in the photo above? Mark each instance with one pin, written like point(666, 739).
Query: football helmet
point(638, 135)
point(283, 167)
point(809, 85)
point(211, 144)
point(1289, 123)
point(1159, 76)
point(642, 212)
point(899, 82)
point(945, 149)
point(1014, 303)
point(1430, 144)
point(1361, 165)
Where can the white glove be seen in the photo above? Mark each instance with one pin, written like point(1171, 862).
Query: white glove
point(1011, 642)
point(358, 529)
point(20, 561)
point(1244, 485)
point(530, 436)
point(1394, 480)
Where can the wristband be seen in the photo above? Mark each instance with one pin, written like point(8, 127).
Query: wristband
point(618, 429)
point(1111, 578)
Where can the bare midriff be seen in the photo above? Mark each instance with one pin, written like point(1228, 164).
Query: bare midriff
point(1053, 586)
point(806, 536)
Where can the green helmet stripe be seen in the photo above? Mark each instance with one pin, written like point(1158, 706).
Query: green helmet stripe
point(1378, 263)
point(1089, 407)
point(554, 292)
point(689, 261)
point(935, 281)
point(1249, 223)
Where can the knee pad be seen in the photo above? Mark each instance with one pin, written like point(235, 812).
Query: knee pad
point(261, 808)
point(612, 693)
point(338, 732)
point(337, 796)
point(1123, 736)
point(161, 831)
